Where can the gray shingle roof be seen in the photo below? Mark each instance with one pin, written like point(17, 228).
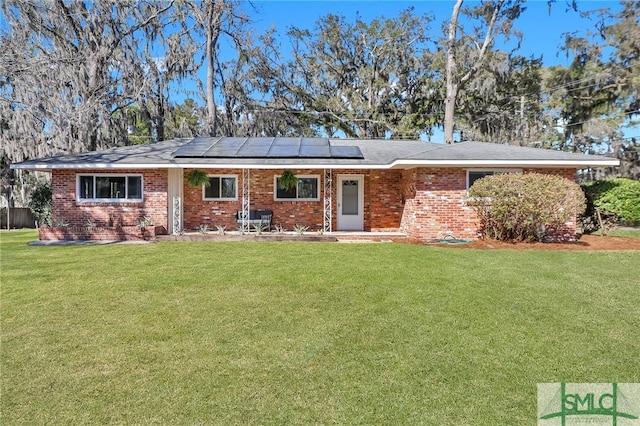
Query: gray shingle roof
point(382, 154)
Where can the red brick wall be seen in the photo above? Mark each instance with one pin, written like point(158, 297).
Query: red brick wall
point(425, 203)
point(77, 213)
point(287, 214)
point(435, 203)
point(121, 233)
point(382, 204)
point(383, 200)
point(211, 213)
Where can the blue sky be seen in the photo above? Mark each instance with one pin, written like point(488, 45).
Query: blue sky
point(542, 30)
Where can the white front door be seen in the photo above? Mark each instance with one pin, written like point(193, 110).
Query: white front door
point(350, 202)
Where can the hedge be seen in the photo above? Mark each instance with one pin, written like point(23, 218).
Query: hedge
point(524, 207)
point(617, 199)
point(40, 204)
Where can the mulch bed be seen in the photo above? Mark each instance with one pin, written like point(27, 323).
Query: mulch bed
point(586, 242)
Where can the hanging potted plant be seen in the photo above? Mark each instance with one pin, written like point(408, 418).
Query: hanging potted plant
point(198, 178)
point(288, 180)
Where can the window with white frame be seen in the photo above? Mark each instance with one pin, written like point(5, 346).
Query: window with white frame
point(475, 174)
point(221, 187)
point(306, 190)
point(109, 187)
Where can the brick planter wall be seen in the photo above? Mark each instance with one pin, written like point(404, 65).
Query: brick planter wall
point(78, 233)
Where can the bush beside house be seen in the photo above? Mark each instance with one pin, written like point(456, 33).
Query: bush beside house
point(616, 201)
point(40, 204)
point(526, 207)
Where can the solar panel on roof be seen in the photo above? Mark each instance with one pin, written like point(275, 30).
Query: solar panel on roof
point(346, 152)
point(253, 151)
point(236, 147)
point(315, 151)
point(286, 141)
point(284, 151)
point(314, 141)
point(228, 141)
point(259, 141)
point(196, 147)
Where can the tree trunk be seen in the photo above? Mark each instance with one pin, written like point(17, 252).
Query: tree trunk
point(450, 111)
point(160, 116)
point(214, 15)
point(455, 83)
point(211, 103)
point(452, 87)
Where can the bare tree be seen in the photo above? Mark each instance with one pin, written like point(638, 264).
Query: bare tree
point(368, 80)
point(204, 25)
point(68, 67)
point(68, 70)
point(467, 54)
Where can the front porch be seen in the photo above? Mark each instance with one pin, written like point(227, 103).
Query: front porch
point(276, 236)
point(327, 200)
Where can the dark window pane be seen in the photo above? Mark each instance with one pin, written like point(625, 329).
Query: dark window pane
point(118, 187)
point(213, 190)
point(474, 176)
point(228, 187)
point(86, 187)
point(103, 187)
point(284, 193)
point(110, 187)
point(134, 187)
point(307, 188)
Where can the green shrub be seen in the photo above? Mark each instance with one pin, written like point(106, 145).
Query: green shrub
point(522, 207)
point(617, 199)
point(40, 204)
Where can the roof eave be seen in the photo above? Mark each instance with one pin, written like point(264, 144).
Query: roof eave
point(578, 164)
point(397, 164)
point(43, 167)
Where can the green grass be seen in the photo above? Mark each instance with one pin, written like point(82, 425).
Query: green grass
point(628, 233)
point(306, 333)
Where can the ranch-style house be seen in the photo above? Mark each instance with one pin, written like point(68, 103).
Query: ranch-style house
point(411, 187)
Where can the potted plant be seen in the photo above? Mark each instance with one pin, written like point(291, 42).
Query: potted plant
point(288, 180)
point(197, 178)
point(146, 226)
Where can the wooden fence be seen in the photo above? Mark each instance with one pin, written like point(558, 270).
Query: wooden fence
point(20, 217)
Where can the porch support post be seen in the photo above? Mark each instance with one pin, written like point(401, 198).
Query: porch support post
point(328, 197)
point(175, 210)
point(246, 200)
point(177, 216)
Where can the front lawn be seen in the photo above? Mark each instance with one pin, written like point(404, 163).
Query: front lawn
point(622, 232)
point(306, 333)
